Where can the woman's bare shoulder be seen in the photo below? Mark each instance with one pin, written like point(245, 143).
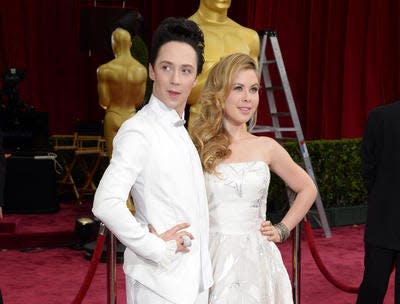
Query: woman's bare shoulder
point(266, 141)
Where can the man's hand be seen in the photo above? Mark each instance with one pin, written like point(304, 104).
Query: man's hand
point(1, 213)
point(175, 233)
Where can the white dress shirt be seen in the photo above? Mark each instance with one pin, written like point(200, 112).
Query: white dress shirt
point(155, 160)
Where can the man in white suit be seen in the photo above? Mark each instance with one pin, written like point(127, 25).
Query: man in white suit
point(166, 258)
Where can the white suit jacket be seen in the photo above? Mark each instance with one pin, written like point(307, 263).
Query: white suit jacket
point(155, 160)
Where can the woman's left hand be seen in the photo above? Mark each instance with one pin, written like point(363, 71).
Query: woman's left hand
point(268, 230)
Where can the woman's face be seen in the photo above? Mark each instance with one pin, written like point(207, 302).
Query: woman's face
point(242, 100)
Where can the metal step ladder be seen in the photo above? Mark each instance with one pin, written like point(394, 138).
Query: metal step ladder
point(295, 128)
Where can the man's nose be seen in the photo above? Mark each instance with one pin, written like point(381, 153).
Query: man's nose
point(175, 77)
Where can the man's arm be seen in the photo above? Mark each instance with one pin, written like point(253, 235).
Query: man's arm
point(2, 175)
point(370, 149)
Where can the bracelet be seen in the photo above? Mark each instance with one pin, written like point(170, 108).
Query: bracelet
point(283, 231)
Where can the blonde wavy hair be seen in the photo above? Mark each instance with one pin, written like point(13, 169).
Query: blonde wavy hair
point(206, 129)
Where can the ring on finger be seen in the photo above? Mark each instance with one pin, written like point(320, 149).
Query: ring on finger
point(186, 241)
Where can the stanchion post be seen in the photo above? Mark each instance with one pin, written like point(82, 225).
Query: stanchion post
point(296, 264)
point(111, 269)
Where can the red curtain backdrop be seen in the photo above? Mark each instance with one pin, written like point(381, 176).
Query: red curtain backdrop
point(341, 56)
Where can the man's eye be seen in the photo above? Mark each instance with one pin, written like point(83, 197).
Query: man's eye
point(166, 67)
point(187, 71)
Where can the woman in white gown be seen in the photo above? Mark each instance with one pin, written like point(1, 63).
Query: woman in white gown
point(248, 266)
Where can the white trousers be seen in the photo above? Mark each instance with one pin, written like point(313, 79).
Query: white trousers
point(137, 293)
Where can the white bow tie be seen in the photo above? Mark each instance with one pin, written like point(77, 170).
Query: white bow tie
point(179, 123)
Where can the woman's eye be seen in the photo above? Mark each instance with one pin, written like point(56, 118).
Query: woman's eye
point(254, 90)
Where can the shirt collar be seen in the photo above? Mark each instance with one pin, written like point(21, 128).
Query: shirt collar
point(169, 115)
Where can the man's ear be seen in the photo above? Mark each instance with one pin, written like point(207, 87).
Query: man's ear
point(151, 72)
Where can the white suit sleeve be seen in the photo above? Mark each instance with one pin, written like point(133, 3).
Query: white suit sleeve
point(130, 155)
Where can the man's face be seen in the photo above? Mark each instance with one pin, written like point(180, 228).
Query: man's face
point(174, 74)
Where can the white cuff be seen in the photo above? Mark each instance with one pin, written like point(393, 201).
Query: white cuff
point(170, 252)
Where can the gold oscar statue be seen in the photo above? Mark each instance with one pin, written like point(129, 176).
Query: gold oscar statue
point(121, 85)
point(222, 36)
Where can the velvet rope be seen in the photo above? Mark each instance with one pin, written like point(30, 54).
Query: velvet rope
point(92, 268)
point(320, 264)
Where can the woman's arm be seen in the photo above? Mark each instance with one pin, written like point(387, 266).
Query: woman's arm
point(296, 179)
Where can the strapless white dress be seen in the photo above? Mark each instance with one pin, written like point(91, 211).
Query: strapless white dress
point(248, 269)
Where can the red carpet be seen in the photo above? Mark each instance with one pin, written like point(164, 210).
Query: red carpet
point(54, 275)
point(40, 230)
